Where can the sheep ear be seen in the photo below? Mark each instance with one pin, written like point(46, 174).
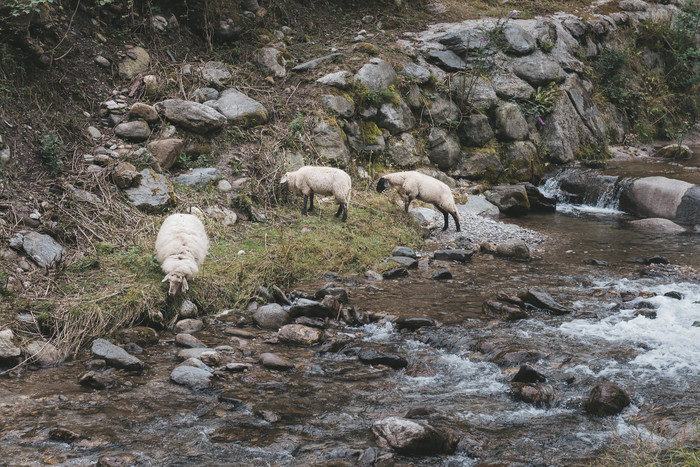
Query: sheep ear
point(166, 278)
point(184, 285)
point(283, 179)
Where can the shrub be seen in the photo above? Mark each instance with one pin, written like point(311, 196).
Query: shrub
point(51, 152)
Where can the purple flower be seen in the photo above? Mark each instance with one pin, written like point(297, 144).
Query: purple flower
point(541, 121)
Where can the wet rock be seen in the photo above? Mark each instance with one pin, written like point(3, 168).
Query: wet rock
point(538, 200)
point(96, 380)
point(675, 151)
point(395, 273)
point(503, 311)
point(404, 251)
point(196, 363)
point(193, 378)
point(413, 324)
point(535, 394)
point(192, 116)
point(442, 275)
point(318, 323)
point(207, 356)
point(9, 352)
point(188, 310)
point(42, 249)
point(675, 295)
point(527, 374)
point(607, 399)
point(311, 64)
point(279, 296)
point(653, 259)
point(189, 341)
point(44, 354)
point(153, 194)
point(375, 357)
point(456, 254)
point(141, 335)
point(298, 334)
point(275, 362)
point(516, 249)
point(663, 197)
point(646, 313)
point(271, 316)
point(116, 460)
point(63, 435)
point(658, 226)
point(541, 299)
point(310, 308)
point(376, 76)
point(510, 199)
point(517, 357)
point(115, 356)
point(188, 326)
point(408, 263)
point(413, 436)
point(339, 292)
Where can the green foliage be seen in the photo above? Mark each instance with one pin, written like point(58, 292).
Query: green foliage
point(540, 102)
point(594, 155)
point(186, 162)
point(139, 260)
point(545, 45)
point(297, 125)
point(51, 152)
point(25, 7)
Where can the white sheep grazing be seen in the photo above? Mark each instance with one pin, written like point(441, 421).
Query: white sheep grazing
point(310, 180)
point(415, 185)
point(181, 246)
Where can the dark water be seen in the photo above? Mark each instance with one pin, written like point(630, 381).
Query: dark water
point(323, 410)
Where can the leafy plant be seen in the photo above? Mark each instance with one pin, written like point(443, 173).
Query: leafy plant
point(541, 102)
point(51, 152)
point(25, 7)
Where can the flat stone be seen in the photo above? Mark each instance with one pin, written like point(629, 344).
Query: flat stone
point(275, 362)
point(311, 64)
point(456, 254)
point(193, 378)
point(115, 355)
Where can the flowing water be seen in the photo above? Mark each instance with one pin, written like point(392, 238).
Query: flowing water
point(323, 410)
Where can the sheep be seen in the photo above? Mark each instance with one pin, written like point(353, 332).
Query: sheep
point(181, 246)
point(415, 185)
point(323, 181)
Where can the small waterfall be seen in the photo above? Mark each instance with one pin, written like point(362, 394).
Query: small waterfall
point(584, 190)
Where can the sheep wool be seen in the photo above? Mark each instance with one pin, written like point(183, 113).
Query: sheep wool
point(327, 181)
point(181, 246)
point(415, 185)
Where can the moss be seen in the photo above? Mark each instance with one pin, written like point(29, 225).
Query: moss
point(343, 94)
point(366, 47)
point(370, 132)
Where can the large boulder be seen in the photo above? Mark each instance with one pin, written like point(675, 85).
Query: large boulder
point(192, 116)
point(518, 41)
point(397, 118)
point(329, 140)
point(475, 130)
point(579, 92)
point(416, 437)
point(663, 197)
point(402, 150)
point(607, 399)
point(377, 75)
point(442, 110)
point(115, 356)
point(510, 122)
point(479, 93)
point(510, 199)
point(564, 132)
point(476, 165)
point(239, 109)
point(443, 148)
point(538, 69)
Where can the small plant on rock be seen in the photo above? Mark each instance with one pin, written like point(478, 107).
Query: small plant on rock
point(51, 152)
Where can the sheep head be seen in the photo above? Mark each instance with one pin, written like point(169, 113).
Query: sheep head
point(177, 282)
point(382, 184)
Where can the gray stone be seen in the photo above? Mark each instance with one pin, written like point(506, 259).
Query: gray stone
point(136, 130)
point(95, 380)
point(271, 316)
point(442, 275)
point(479, 93)
point(275, 362)
point(338, 105)
point(9, 352)
point(447, 60)
point(464, 40)
point(508, 87)
point(413, 437)
point(519, 157)
point(442, 110)
point(199, 177)
point(83, 195)
point(515, 248)
point(541, 299)
point(456, 254)
point(222, 214)
point(298, 334)
point(662, 197)
point(193, 378)
point(580, 95)
point(538, 69)
point(42, 249)
point(192, 116)
point(408, 263)
point(518, 40)
point(510, 199)
point(188, 326)
point(216, 73)
point(443, 148)
point(633, 5)
point(153, 194)
point(204, 354)
point(167, 151)
point(330, 142)
point(564, 132)
point(189, 341)
point(125, 175)
point(510, 122)
point(476, 165)
point(658, 225)
point(373, 276)
point(115, 356)
point(375, 357)
point(377, 75)
point(310, 309)
point(404, 251)
point(575, 26)
point(310, 65)
point(478, 205)
point(143, 111)
point(397, 118)
point(402, 151)
point(475, 130)
point(607, 399)
point(674, 151)
point(203, 95)
point(272, 61)
point(414, 72)
point(239, 109)
point(136, 61)
point(102, 61)
point(395, 273)
point(340, 79)
point(44, 354)
point(688, 211)
point(94, 133)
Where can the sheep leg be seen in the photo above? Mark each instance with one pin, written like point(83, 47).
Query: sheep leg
point(407, 202)
point(444, 213)
point(345, 211)
point(340, 209)
point(303, 210)
point(454, 216)
point(311, 203)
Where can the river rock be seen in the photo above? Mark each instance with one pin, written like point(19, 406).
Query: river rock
point(413, 324)
point(443, 147)
point(187, 310)
point(339, 292)
point(675, 151)
point(663, 197)
point(136, 61)
point(298, 334)
point(42, 249)
point(310, 308)
point(43, 354)
point(167, 151)
point(510, 199)
point(442, 275)
point(538, 200)
point(275, 362)
point(375, 357)
point(457, 254)
point(394, 273)
point(279, 296)
point(192, 116)
point(404, 251)
point(535, 394)
point(373, 276)
point(311, 64)
point(607, 399)
point(189, 341)
point(188, 326)
point(376, 76)
point(659, 226)
point(9, 352)
point(193, 378)
point(338, 105)
point(115, 356)
point(527, 374)
point(503, 311)
point(200, 176)
point(271, 316)
point(415, 437)
point(515, 248)
point(408, 263)
point(541, 299)
point(396, 117)
point(96, 380)
point(153, 194)
point(139, 335)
